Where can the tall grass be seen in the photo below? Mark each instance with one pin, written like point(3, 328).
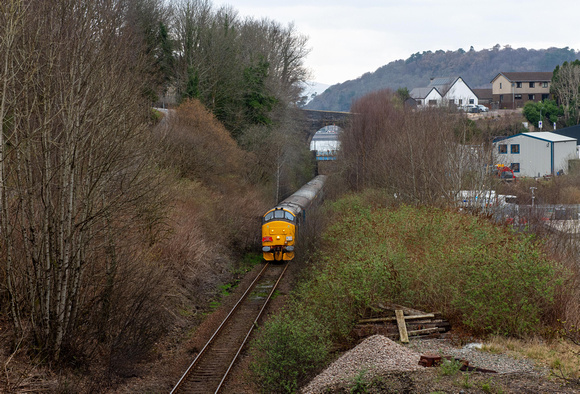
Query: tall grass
point(478, 275)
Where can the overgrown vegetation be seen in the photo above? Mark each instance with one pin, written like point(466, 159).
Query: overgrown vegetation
point(118, 222)
point(398, 241)
point(481, 276)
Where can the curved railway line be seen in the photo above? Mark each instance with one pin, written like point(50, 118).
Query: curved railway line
point(210, 368)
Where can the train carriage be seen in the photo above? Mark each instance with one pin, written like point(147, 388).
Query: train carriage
point(280, 224)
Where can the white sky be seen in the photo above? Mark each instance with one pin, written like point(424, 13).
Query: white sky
point(350, 38)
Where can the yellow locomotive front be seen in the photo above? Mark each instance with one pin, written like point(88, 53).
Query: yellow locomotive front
point(278, 235)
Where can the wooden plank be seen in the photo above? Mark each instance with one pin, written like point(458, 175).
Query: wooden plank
point(425, 331)
point(402, 327)
point(407, 310)
point(393, 318)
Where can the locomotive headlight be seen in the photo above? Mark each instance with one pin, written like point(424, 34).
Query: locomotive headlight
point(278, 237)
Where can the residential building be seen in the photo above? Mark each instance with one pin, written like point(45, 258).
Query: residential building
point(426, 96)
point(444, 91)
point(484, 96)
point(535, 154)
point(513, 89)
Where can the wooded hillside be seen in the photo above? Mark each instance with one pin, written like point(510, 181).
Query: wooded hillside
point(476, 67)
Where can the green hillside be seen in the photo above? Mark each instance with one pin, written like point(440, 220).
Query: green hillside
point(476, 67)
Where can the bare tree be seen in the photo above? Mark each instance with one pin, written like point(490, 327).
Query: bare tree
point(420, 156)
point(566, 87)
point(73, 121)
point(12, 67)
point(284, 49)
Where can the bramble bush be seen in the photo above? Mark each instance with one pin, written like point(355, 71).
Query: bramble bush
point(478, 274)
point(291, 345)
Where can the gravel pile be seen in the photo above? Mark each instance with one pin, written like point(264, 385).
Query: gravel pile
point(501, 363)
point(374, 355)
point(378, 354)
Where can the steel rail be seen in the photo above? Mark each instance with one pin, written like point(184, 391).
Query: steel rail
point(208, 343)
point(254, 324)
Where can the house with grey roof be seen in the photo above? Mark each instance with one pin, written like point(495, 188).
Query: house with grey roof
point(513, 89)
point(535, 154)
point(445, 91)
point(426, 96)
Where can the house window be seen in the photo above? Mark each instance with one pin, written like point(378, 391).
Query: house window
point(517, 96)
point(532, 84)
point(432, 102)
point(531, 96)
point(502, 148)
point(501, 98)
point(545, 97)
point(471, 101)
point(518, 84)
point(460, 101)
point(515, 148)
point(544, 84)
point(515, 167)
point(418, 101)
point(500, 85)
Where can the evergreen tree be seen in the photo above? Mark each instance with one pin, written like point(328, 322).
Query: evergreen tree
point(257, 101)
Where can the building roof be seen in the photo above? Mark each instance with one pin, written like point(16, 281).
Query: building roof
point(548, 136)
point(541, 135)
point(421, 93)
point(533, 76)
point(572, 132)
point(483, 94)
point(443, 84)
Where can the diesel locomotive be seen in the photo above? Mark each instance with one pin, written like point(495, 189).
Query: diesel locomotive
point(280, 225)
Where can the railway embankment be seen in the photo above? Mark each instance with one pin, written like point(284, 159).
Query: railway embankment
point(486, 280)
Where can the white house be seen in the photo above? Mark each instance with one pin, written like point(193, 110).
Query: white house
point(535, 154)
point(445, 91)
point(426, 96)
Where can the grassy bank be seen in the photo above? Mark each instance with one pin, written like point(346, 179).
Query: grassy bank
point(485, 278)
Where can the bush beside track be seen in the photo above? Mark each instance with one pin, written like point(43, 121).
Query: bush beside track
point(485, 278)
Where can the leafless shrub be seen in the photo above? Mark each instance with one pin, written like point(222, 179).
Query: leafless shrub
point(419, 156)
point(216, 209)
point(198, 145)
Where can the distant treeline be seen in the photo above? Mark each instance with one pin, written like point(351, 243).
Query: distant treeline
point(477, 68)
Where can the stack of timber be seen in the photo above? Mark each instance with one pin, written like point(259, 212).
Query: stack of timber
point(401, 323)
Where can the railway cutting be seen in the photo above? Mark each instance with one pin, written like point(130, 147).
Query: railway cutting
point(211, 366)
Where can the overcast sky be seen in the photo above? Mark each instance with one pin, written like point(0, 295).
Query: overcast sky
point(350, 38)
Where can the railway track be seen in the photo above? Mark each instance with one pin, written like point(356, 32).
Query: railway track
point(210, 368)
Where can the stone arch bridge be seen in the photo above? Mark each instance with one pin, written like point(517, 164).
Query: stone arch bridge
point(314, 120)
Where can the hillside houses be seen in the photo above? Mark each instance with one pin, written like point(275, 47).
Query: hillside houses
point(444, 91)
point(509, 90)
point(513, 89)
